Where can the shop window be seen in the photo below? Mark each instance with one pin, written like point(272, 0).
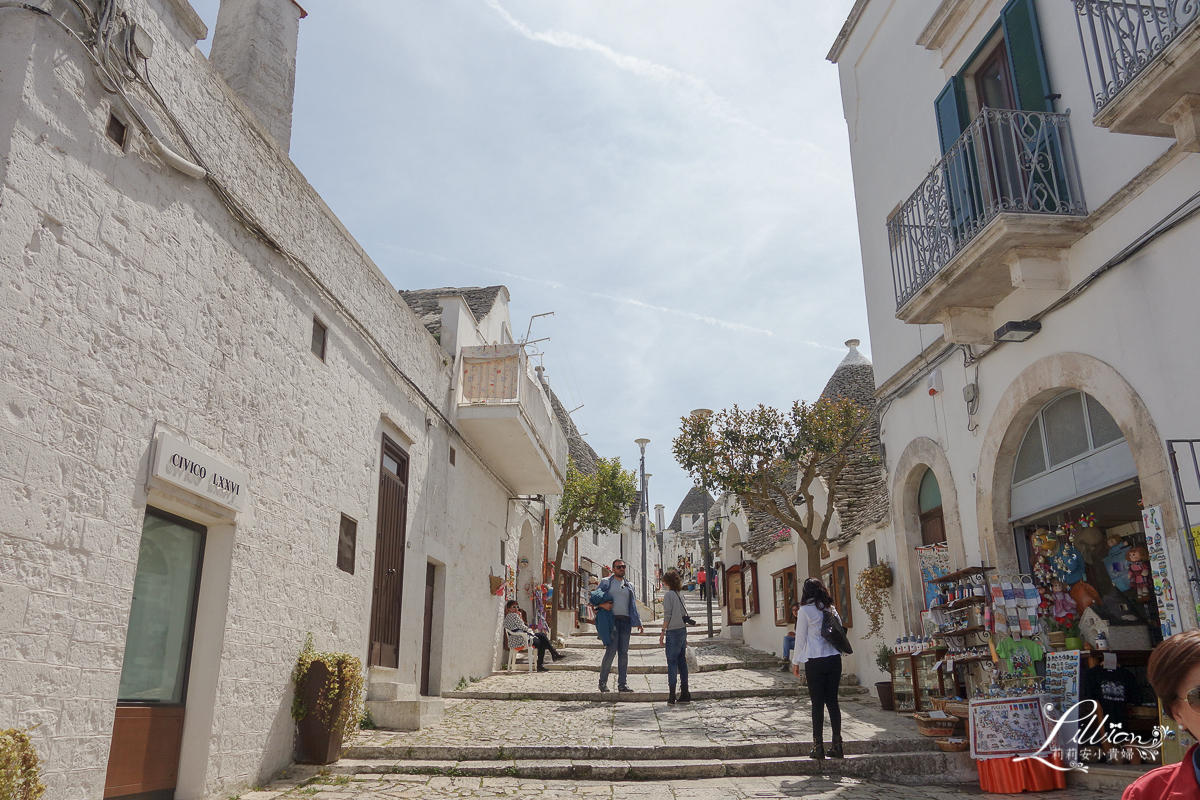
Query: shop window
point(570, 592)
point(347, 544)
point(783, 591)
point(1066, 429)
point(750, 587)
point(836, 577)
point(929, 505)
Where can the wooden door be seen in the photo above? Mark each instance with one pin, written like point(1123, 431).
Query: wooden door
point(737, 609)
point(389, 557)
point(143, 757)
point(427, 633)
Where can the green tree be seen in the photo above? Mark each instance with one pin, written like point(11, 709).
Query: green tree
point(590, 501)
point(770, 460)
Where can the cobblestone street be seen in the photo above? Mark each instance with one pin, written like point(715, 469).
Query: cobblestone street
point(369, 787)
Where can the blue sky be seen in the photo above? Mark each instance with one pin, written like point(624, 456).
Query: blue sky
point(671, 178)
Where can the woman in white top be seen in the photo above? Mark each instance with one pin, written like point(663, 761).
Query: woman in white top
point(822, 665)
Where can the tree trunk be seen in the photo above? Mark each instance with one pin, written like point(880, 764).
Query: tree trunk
point(814, 559)
point(563, 541)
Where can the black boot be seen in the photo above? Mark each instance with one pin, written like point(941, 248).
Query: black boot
point(818, 752)
point(671, 697)
point(684, 695)
point(835, 749)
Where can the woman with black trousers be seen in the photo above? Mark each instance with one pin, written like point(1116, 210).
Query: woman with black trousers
point(822, 666)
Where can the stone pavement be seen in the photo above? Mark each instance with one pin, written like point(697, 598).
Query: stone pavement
point(538, 723)
point(304, 783)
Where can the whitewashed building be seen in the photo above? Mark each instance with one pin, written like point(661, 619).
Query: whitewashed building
point(223, 428)
point(1026, 175)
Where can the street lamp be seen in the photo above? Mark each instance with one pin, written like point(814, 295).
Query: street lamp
point(641, 443)
point(705, 413)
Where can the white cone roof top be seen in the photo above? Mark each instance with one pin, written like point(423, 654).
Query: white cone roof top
point(854, 358)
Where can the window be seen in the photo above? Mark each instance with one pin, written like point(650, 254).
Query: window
point(116, 131)
point(503, 553)
point(1007, 71)
point(595, 536)
point(347, 544)
point(318, 339)
point(872, 554)
point(783, 590)
point(750, 586)
point(836, 577)
point(929, 505)
point(1069, 427)
point(452, 454)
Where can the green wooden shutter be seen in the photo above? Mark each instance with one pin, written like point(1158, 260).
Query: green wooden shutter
point(950, 108)
point(1023, 39)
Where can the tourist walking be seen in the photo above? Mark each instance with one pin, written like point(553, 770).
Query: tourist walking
point(674, 636)
point(822, 665)
point(514, 623)
point(623, 605)
point(702, 578)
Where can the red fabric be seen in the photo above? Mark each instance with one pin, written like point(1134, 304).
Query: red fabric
point(1007, 775)
point(702, 577)
point(1174, 782)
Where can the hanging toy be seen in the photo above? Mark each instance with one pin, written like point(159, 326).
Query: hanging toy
point(1068, 565)
point(1139, 572)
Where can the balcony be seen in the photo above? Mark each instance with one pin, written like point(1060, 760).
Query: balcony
point(505, 415)
point(996, 214)
point(1143, 63)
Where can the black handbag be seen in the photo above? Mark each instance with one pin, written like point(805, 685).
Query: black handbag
point(833, 632)
point(686, 619)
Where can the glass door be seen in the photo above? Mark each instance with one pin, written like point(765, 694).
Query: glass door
point(148, 730)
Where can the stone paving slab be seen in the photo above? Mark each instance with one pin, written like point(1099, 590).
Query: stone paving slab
point(815, 787)
point(498, 723)
point(580, 681)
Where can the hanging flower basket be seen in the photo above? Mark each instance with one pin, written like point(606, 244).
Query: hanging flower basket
point(873, 590)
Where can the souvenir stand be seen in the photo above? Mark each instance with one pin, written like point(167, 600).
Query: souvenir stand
point(970, 612)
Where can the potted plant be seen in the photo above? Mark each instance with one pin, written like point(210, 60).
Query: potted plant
point(883, 660)
point(328, 702)
point(873, 590)
point(20, 769)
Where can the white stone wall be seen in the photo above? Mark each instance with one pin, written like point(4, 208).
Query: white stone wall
point(1127, 340)
point(134, 300)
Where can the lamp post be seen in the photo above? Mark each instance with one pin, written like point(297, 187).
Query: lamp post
point(704, 413)
point(642, 510)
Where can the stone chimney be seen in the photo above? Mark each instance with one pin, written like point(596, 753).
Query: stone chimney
point(254, 49)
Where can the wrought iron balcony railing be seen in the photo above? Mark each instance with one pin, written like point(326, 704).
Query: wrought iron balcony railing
point(1006, 161)
point(1126, 36)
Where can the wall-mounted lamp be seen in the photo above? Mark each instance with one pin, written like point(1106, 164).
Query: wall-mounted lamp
point(1018, 331)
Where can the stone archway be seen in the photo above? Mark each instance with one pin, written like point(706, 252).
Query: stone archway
point(1026, 395)
point(919, 455)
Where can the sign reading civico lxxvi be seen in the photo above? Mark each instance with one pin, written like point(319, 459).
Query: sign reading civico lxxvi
point(181, 464)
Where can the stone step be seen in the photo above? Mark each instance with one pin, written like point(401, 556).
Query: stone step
point(613, 696)
point(661, 669)
point(923, 767)
point(701, 750)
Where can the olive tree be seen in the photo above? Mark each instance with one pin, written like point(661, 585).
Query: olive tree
point(770, 460)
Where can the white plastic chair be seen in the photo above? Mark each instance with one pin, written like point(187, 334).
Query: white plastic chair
point(517, 642)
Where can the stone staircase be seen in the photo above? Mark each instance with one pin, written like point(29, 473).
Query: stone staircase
point(397, 706)
point(913, 761)
point(748, 719)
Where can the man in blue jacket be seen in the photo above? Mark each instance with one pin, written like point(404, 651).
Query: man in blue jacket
point(616, 596)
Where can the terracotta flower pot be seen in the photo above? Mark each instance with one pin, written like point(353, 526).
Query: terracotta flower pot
point(318, 743)
point(886, 700)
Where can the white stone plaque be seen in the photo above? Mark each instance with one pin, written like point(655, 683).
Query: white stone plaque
point(181, 464)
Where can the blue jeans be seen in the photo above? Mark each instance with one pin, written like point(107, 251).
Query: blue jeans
point(618, 645)
point(789, 643)
point(676, 663)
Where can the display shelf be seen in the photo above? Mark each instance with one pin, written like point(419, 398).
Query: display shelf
point(960, 574)
point(963, 603)
point(962, 631)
